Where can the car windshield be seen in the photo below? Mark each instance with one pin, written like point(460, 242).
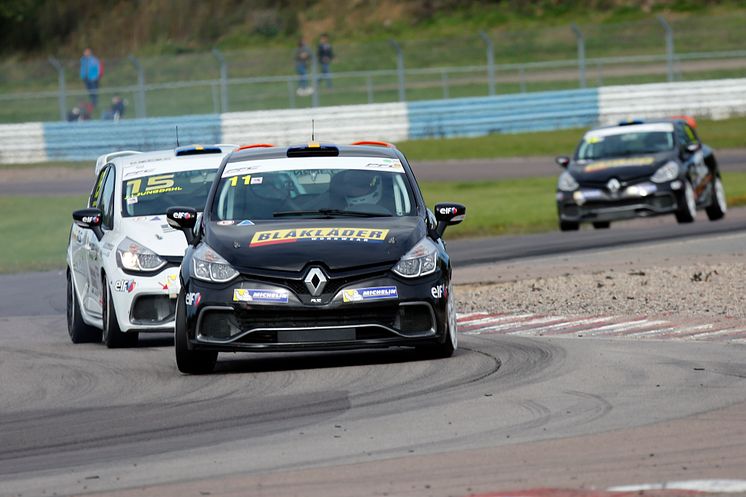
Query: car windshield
point(599, 146)
point(154, 194)
point(313, 187)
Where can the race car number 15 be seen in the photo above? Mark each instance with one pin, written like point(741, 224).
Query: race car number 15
point(154, 183)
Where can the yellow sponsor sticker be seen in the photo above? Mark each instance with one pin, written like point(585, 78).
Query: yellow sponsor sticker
point(609, 164)
point(274, 237)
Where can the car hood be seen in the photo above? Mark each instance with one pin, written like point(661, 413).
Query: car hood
point(154, 233)
point(622, 168)
point(338, 244)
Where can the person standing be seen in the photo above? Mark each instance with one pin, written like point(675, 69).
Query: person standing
point(90, 73)
point(302, 58)
point(325, 54)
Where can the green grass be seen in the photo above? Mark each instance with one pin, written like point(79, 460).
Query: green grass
point(524, 205)
point(728, 133)
point(36, 228)
point(35, 231)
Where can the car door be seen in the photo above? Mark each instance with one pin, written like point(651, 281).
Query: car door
point(105, 203)
point(80, 245)
point(694, 161)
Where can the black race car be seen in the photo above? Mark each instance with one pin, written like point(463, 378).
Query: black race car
point(638, 169)
point(314, 247)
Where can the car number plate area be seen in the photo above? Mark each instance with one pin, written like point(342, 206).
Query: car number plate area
point(320, 335)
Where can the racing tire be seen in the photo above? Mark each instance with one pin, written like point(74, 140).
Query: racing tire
point(602, 225)
point(569, 226)
point(113, 336)
point(450, 343)
point(79, 330)
point(190, 361)
point(687, 211)
point(718, 205)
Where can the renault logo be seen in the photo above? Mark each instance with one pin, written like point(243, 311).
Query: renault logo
point(613, 185)
point(315, 281)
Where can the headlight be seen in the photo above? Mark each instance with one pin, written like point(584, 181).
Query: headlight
point(419, 261)
point(668, 172)
point(134, 257)
point(209, 266)
point(567, 183)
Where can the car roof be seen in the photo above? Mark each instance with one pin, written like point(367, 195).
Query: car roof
point(661, 126)
point(163, 159)
point(267, 152)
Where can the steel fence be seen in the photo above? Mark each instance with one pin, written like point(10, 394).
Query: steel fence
point(485, 63)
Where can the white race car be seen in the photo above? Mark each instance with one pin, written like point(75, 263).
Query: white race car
point(123, 258)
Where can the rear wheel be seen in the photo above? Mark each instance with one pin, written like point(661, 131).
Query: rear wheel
point(718, 205)
point(189, 361)
point(687, 210)
point(79, 331)
point(602, 225)
point(114, 338)
point(569, 226)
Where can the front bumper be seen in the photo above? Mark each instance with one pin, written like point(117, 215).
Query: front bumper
point(589, 204)
point(377, 312)
point(145, 303)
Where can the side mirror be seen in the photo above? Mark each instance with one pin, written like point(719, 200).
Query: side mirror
point(448, 214)
point(184, 219)
point(89, 219)
point(693, 147)
point(562, 161)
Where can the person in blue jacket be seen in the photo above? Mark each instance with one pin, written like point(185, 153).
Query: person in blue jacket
point(90, 73)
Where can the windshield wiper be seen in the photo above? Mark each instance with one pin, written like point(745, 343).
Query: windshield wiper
point(329, 213)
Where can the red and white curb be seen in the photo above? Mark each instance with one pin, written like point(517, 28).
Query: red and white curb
point(667, 489)
point(638, 327)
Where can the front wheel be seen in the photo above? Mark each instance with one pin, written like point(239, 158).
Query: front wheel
point(450, 342)
point(569, 226)
point(718, 205)
point(687, 210)
point(189, 361)
point(79, 331)
point(114, 338)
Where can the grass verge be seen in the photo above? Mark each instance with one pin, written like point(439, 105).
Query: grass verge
point(525, 205)
point(35, 231)
point(36, 228)
point(726, 133)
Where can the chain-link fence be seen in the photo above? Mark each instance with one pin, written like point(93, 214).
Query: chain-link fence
point(486, 63)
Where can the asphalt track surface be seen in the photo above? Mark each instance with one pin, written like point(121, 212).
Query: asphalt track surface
point(505, 413)
point(79, 181)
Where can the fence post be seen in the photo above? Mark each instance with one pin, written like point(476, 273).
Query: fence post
point(581, 53)
point(61, 85)
point(399, 69)
point(314, 80)
point(223, 80)
point(490, 62)
point(369, 88)
point(669, 46)
point(140, 100)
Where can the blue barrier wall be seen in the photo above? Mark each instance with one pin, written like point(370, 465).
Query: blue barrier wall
point(88, 139)
point(503, 114)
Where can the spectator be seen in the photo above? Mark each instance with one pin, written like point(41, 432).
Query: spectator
point(116, 111)
point(325, 54)
point(302, 58)
point(73, 115)
point(90, 73)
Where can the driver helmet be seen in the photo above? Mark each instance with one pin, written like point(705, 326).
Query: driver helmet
point(363, 187)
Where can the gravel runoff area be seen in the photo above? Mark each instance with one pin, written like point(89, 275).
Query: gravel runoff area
point(699, 278)
point(695, 290)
